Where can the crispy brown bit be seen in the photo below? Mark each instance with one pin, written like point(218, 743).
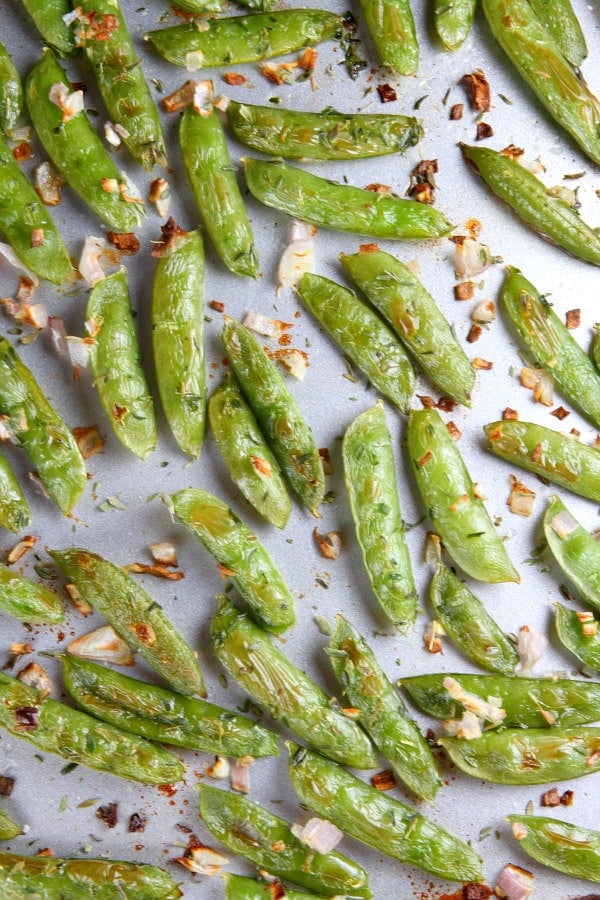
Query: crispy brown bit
point(326, 460)
point(92, 28)
point(575, 432)
point(169, 790)
point(21, 152)
point(386, 93)
point(478, 90)
point(475, 332)
point(276, 891)
point(521, 498)
point(170, 231)
point(37, 237)
point(484, 131)
point(377, 188)
point(145, 633)
point(20, 549)
point(573, 318)
point(423, 193)
point(108, 814)
point(474, 891)
point(137, 822)
point(118, 411)
point(278, 74)
point(447, 404)
point(126, 243)
point(157, 570)
point(368, 248)
point(234, 78)
point(422, 181)
point(560, 413)
point(464, 291)
point(89, 440)
point(427, 401)
point(551, 797)
point(512, 152)
point(181, 98)
point(26, 718)
point(480, 363)
point(6, 785)
point(566, 798)
point(454, 431)
point(510, 414)
point(330, 545)
point(383, 781)
point(217, 305)
point(456, 112)
point(224, 572)
point(285, 339)
point(46, 852)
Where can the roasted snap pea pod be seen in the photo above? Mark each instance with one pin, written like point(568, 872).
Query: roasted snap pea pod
point(364, 338)
point(28, 601)
point(595, 346)
point(201, 6)
point(11, 92)
point(559, 457)
point(534, 53)
point(342, 207)
point(249, 459)
point(392, 28)
point(377, 820)
point(240, 556)
point(260, 5)
point(161, 715)
point(570, 630)
point(77, 151)
point(238, 887)
point(448, 493)
point(527, 755)
point(453, 20)
point(134, 615)
point(242, 39)
point(552, 217)
point(48, 18)
point(558, 16)
point(115, 359)
point(267, 840)
point(14, 509)
point(284, 690)
point(560, 845)
point(8, 829)
point(49, 878)
point(214, 183)
point(56, 728)
point(413, 314)
point(277, 413)
point(44, 436)
point(381, 711)
point(370, 477)
point(574, 549)
point(178, 335)
point(470, 626)
point(292, 134)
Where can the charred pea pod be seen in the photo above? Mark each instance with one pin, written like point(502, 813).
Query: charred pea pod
point(457, 514)
point(11, 92)
point(392, 28)
point(578, 632)
point(413, 314)
point(118, 373)
point(568, 848)
point(559, 457)
point(370, 477)
point(48, 18)
point(134, 615)
point(8, 829)
point(14, 509)
point(27, 601)
point(574, 549)
point(453, 21)
point(237, 887)
point(240, 556)
point(558, 16)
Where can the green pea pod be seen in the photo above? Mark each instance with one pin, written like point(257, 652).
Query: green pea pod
point(392, 28)
point(134, 615)
point(208, 165)
point(277, 413)
point(161, 715)
point(595, 347)
point(201, 6)
point(260, 5)
point(413, 314)
point(568, 848)
point(527, 755)
point(558, 457)
point(552, 217)
point(237, 887)
point(11, 92)
point(284, 690)
point(28, 601)
point(456, 513)
point(14, 509)
point(527, 702)
point(370, 477)
point(453, 21)
point(77, 151)
point(470, 626)
point(44, 436)
point(381, 711)
point(574, 549)
point(569, 628)
point(364, 338)
point(534, 53)
point(242, 39)
point(239, 554)
point(48, 18)
point(558, 16)
point(251, 464)
point(292, 134)
point(8, 828)
point(267, 840)
point(342, 207)
point(178, 336)
point(47, 878)
point(377, 820)
point(115, 359)
point(53, 727)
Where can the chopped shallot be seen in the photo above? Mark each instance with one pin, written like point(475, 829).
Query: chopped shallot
point(469, 728)
point(471, 257)
point(203, 98)
point(58, 334)
point(563, 524)
point(160, 195)
point(69, 103)
point(319, 834)
point(540, 383)
point(79, 350)
point(104, 645)
point(330, 545)
point(202, 860)
point(299, 255)
point(293, 361)
point(89, 440)
point(240, 775)
point(220, 768)
point(273, 328)
point(521, 498)
point(484, 312)
point(490, 710)
point(194, 60)
point(163, 553)
point(82, 605)
point(48, 184)
point(19, 550)
point(530, 647)
point(89, 261)
point(111, 135)
point(433, 549)
point(514, 883)
point(434, 630)
point(11, 257)
point(36, 677)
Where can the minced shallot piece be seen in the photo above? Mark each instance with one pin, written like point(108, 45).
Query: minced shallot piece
point(264, 325)
point(540, 383)
point(319, 834)
point(469, 728)
point(194, 60)
point(563, 524)
point(79, 350)
point(521, 498)
point(180, 99)
point(7, 252)
point(293, 361)
point(240, 774)
point(111, 135)
point(160, 195)
point(58, 334)
point(69, 103)
point(299, 255)
point(36, 677)
point(89, 261)
point(202, 101)
point(531, 645)
point(83, 606)
point(434, 630)
point(89, 440)
point(484, 313)
point(471, 257)
point(163, 553)
point(490, 710)
point(202, 860)
point(514, 883)
point(19, 550)
point(221, 768)
point(104, 645)
point(48, 184)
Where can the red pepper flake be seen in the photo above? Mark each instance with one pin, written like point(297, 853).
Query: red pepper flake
point(128, 244)
point(510, 414)
point(447, 404)
point(575, 432)
point(368, 248)
point(217, 305)
point(326, 460)
point(330, 545)
point(512, 152)
point(234, 78)
point(472, 890)
point(456, 112)
point(92, 28)
point(478, 90)
point(224, 571)
point(6, 785)
point(262, 466)
point(551, 797)
point(285, 339)
point(21, 152)
point(137, 822)
point(157, 570)
point(427, 401)
point(425, 458)
point(464, 291)
point(566, 799)
point(26, 718)
point(46, 852)
point(573, 318)
point(454, 431)
point(108, 814)
point(475, 332)
point(560, 413)
point(169, 790)
point(383, 781)
point(484, 131)
point(386, 93)
point(118, 411)
point(181, 98)
point(480, 363)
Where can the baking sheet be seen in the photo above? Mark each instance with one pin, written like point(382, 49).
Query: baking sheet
point(48, 802)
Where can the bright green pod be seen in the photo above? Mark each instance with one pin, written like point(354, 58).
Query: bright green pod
point(48, 18)
point(200, 6)
point(465, 619)
point(40, 431)
point(448, 492)
point(342, 207)
point(242, 39)
point(595, 347)
point(11, 92)
point(14, 509)
point(247, 455)
point(77, 151)
point(177, 316)
point(8, 828)
point(28, 601)
point(283, 689)
point(214, 183)
point(252, 831)
point(377, 820)
point(237, 887)
point(115, 359)
point(372, 485)
point(558, 457)
point(559, 17)
point(134, 615)
point(259, 5)
point(162, 715)
point(415, 317)
point(453, 20)
point(239, 554)
point(568, 848)
point(570, 631)
point(574, 549)
point(292, 134)
point(392, 28)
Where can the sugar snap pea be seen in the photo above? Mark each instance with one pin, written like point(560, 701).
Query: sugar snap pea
point(237, 887)
point(284, 690)
point(370, 477)
point(560, 845)
point(449, 496)
point(11, 92)
point(328, 134)
point(559, 457)
point(392, 28)
point(453, 20)
point(37, 427)
point(560, 19)
point(413, 314)
point(342, 207)
point(28, 601)
point(249, 459)
point(377, 820)
point(595, 346)
point(570, 630)
point(208, 165)
point(14, 509)
point(118, 373)
point(8, 828)
point(201, 6)
point(239, 553)
point(134, 615)
point(48, 18)
point(260, 5)
point(574, 549)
